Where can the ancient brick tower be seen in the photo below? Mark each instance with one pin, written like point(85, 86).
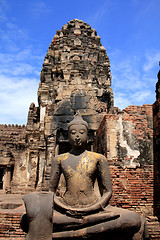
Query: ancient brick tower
point(75, 75)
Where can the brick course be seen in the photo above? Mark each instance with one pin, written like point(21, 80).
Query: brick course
point(10, 226)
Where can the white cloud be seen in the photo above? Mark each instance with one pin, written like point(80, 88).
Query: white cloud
point(12, 37)
point(140, 96)
point(132, 83)
point(18, 69)
point(146, 11)
point(19, 72)
point(3, 6)
point(152, 60)
point(16, 95)
point(39, 9)
point(19, 84)
point(97, 17)
point(126, 76)
point(19, 64)
point(2, 18)
point(121, 100)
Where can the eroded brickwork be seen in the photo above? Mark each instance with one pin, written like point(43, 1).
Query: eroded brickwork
point(128, 136)
point(156, 124)
point(126, 139)
point(77, 69)
point(12, 148)
point(9, 227)
point(133, 188)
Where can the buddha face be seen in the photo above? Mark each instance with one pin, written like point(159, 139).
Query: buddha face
point(78, 135)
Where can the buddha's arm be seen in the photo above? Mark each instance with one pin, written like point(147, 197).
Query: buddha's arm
point(54, 180)
point(55, 175)
point(104, 181)
point(105, 185)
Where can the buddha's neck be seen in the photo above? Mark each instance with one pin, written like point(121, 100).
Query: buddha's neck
point(77, 150)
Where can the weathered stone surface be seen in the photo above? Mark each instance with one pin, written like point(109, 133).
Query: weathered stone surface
point(126, 139)
point(12, 146)
point(156, 127)
point(128, 135)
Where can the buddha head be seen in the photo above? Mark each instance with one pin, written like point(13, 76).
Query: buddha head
point(78, 131)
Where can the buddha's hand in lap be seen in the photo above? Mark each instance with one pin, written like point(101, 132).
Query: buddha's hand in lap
point(76, 213)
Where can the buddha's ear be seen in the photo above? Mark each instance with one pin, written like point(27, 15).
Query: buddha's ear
point(87, 137)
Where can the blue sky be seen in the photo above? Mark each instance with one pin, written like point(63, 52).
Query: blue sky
point(129, 30)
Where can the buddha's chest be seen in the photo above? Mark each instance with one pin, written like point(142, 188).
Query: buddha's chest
point(79, 167)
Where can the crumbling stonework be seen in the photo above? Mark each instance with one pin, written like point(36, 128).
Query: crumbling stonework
point(127, 135)
point(9, 227)
point(76, 76)
point(76, 73)
point(12, 150)
point(156, 124)
point(126, 139)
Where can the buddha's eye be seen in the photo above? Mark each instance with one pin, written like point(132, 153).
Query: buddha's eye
point(81, 132)
point(73, 132)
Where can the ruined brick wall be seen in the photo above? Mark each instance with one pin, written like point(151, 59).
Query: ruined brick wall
point(10, 227)
point(126, 139)
point(22, 155)
point(12, 148)
point(156, 125)
point(133, 188)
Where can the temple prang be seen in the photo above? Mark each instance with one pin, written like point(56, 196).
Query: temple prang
point(76, 76)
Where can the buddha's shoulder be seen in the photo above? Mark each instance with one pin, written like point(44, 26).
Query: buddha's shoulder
point(62, 157)
point(95, 155)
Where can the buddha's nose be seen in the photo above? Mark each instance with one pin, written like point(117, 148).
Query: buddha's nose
point(77, 136)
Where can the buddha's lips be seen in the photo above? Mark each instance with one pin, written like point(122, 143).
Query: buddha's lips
point(78, 141)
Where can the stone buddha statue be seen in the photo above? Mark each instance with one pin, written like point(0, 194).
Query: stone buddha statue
point(80, 213)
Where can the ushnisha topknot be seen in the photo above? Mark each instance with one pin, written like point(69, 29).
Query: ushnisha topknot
point(78, 120)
